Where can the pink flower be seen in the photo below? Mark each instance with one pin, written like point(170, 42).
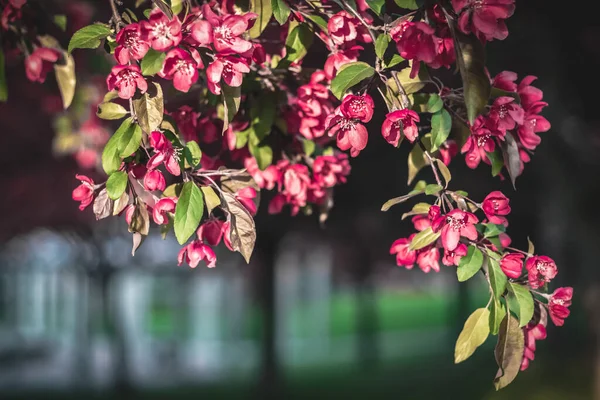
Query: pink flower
point(264, 179)
point(211, 231)
point(529, 95)
point(484, 18)
point(506, 114)
point(512, 265)
point(494, 205)
point(195, 252)
point(351, 134)
point(541, 270)
point(331, 170)
point(154, 180)
point(295, 183)
point(182, 68)
point(338, 59)
point(404, 256)
point(532, 333)
point(223, 32)
point(131, 46)
point(416, 41)
point(39, 63)
point(126, 79)
point(421, 222)
point(246, 196)
point(163, 153)
point(559, 303)
point(480, 142)
point(342, 27)
point(453, 225)
point(84, 193)
point(187, 121)
point(358, 107)
point(453, 257)
point(448, 150)
point(277, 203)
point(228, 68)
point(428, 259)
point(162, 208)
point(533, 123)
point(505, 80)
point(161, 32)
point(399, 123)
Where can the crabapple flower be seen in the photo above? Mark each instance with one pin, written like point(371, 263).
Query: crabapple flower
point(428, 259)
point(533, 123)
point(228, 68)
point(338, 59)
point(181, 67)
point(211, 231)
point(126, 79)
point(84, 193)
point(512, 265)
point(329, 171)
point(404, 256)
point(453, 257)
point(416, 41)
point(484, 18)
point(495, 206)
point(266, 179)
point(350, 133)
point(39, 63)
point(541, 270)
point(453, 225)
point(223, 32)
point(448, 150)
point(532, 333)
point(506, 114)
point(246, 196)
point(195, 252)
point(160, 31)
point(400, 123)
point(162, 208)
point(131, 46)
point(154, 180)
point(421, 222)
point(559, 303)
point(480, 142)
point(358, 107)
point(505, 80)
point(164, 153)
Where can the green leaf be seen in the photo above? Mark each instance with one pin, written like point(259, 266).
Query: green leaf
point(210, 198)
point(408, 4)
point(426, 102)
point(530, 246)
point(111, 160)
point(350, 75)
point(319, 21)
point(381, 44)
point(231, 103)
point(262, 115)
point(423, 238)
point(116, 184)
point(508, 352)
point(433, 189)
point(65, 77)
point(296, 45)
point(470, 264)
point(521, 296)
point(60, 21)
point(512, 159)
point(497, 161)
point(492, 230)
point(441, 123)
point(111, 111)
point(308, 146)
point(497, 314)
point(376, 5)
point(3, 86)
point(416, 161)
point(89, 37)
point(444, 171)
point(192, 153)
point(149, 108)
point(130, 141)
point(262, 153)
point(474, 333)
point(152, 62)
point(188, 212)
point(498, 279)
point(264, 11)
point(177, 6)
point(281, 11)
point(419, 208)
point(397, 200)
point(394, 60)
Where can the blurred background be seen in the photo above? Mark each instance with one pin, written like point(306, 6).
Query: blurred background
point(318, 312)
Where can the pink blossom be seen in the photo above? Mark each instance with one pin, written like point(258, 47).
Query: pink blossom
point(421, 222)
point(331, 170)
point(39, 63)
point(541, 270)
point(126, 79)
point(161, 32)
point(480, 142)
point(277, 203)
point(484, 18)
point(428, 259)
point(162, 208)
point(400, 123)
point(351, 134)
point(187, 121)
point(448, 150)
point(505, 80)
point(533, 123)
point(342, 27)
point(131, 46)
point(154, 180)
point(512, 265)
point(559, 303)
point(338, 59)
point(195, 252)
point(453, 257)
point(228, 68)
point(416, 41)
point(495, 206)
point(358, 107)
point(163, 153)
point(532, 333)
point(246, 196)
point(529, 95)
point(404, 256)
point(505, 113)
point(84, 193)
point(264, 179)
point(211, 231)
point(223, 32)
point(453, 225)
point(182, 68)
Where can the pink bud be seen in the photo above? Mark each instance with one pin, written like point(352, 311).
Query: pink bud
point(512, 265)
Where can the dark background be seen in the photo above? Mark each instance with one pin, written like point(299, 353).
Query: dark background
point(317, 312)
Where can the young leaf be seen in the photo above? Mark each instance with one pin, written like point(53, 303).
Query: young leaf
point(498, 279)
point(308, 146)
point(381, 44)
point(497, 314)
point(210, 198)
point(319, 21)
point(149, 107)
point(264, 11)
point(152, 62)
point(512, 159)
point(242, 229)
point(188, 211)
point(474, 333)
point(376, 5)
point(433, 189)
point(297, 44)
point(423, 238)
point(444, 171)
point(469, 264)
point(103, 205)
point(508, 352)
point(130, 140)
point(441, 123)
point(419, 208)
point(111, 155)
point(111, 110)
point(65, 77)
point(497, 161)
point(530, 246)
point(262, 115)
point(231, 103)
point(397, 200)
point(3, 87)
point(89, 37)
point(521, 297)
point(262, 153)
point(350, 75)
point(116, 184)
point(281, 11)
point(492, 230)
point(60, 21)
point(192, 153)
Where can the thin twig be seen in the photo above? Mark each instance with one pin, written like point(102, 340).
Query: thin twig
point(116, 17)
